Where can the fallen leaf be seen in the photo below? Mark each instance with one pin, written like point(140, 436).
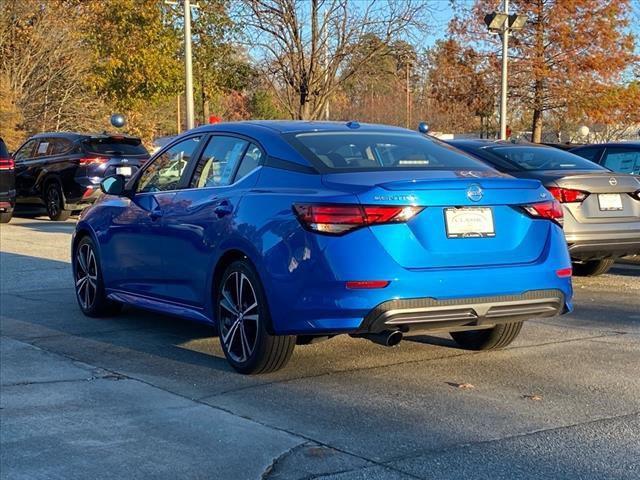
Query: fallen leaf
point(463, 386)
point(535, 397)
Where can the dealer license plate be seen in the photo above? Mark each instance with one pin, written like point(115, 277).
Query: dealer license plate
point(610, 201)
point(469, 222)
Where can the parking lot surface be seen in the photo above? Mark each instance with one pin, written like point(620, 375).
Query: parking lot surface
point(142, 395)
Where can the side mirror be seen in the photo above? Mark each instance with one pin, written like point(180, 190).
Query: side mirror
point(423, 128)
point(113, 185)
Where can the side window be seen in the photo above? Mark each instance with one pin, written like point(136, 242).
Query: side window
point(251, 160)
point(166, 170)
point(59, 146)
point(43, 148)
point(25, 152)
point(622, 160)
point(219, 161)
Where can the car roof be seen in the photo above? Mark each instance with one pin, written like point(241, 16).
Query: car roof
point(77, 135)
point(633, 144)
point(484, 142)
point(298, 126)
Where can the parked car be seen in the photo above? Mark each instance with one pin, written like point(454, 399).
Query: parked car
point(622, 157)
point(564, 146)
point(601, 209)
point(291, 232)
point(7, 184)
point(63, 171)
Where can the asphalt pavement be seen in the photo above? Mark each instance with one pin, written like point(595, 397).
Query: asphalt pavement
point(141, 395)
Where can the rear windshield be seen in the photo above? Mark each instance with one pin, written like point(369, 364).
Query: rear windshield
point(365, 151)
point(4, 153)
point(115, 146)
point(518, 158)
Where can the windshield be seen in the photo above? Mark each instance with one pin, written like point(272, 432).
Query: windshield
point(518, 158)
point(113, 146)
point(365, 151)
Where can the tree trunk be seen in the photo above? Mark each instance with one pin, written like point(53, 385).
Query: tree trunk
point(536, 136)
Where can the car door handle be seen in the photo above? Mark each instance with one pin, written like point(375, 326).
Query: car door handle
point(222, 209)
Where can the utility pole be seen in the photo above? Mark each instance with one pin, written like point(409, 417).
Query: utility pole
point(188, 62)
point(505, 60)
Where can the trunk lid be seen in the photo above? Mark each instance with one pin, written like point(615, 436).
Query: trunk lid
point(609, 199)
point(426, 241)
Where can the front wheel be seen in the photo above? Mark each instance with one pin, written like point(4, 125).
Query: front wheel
point(592, 268)
point(243, 318)
point(89, 285)
point(54, 202)
point(492, 338)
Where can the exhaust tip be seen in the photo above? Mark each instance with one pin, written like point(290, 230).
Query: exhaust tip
point(394, 338)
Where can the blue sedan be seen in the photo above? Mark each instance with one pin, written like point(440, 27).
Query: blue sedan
point(282, 233)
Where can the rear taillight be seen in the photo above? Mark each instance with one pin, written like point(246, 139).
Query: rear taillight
point(340, 219)
point(551, 210)
point(567, 195)
point(7, 164)
point(93, 160)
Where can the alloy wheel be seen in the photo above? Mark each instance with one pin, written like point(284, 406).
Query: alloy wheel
point(238, 314)
point(86, 276)
point(53, 201)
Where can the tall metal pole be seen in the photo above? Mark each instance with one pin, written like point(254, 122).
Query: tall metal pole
point(188, 64)
point(505, 58)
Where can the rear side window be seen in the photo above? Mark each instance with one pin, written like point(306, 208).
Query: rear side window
point(622, 160)
point(219, 161)
point(115, 146)
point(518, 158)
point(367, 151)
point(59, 146)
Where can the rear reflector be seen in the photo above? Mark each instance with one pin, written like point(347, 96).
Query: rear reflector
point(93, 160)
point(340, 219)
point(567, 195)
point(550, 210)
point(7, 164)
point(564, 272)
point(362, 284)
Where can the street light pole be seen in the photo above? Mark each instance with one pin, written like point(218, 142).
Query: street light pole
point(505, 59)
point(188, 70)
point(501, 23)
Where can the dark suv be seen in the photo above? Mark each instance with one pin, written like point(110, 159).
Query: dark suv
point(7, 185)
point(63, 170)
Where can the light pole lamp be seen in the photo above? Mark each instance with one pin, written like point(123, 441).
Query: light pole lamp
point(501, 23)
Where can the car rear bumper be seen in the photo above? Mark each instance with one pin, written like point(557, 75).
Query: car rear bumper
point(598, 246)
point(7, 201)
point(433, 315)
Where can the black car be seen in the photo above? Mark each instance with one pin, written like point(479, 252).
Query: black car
point(63, 171)
point(622, 157)
point(7, 184)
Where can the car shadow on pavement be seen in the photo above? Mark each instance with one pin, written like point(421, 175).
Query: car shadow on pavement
point(50, 226)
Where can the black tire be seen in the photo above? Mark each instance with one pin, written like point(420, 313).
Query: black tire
point(54, 202)
point(489, 339)
point(243, 329)
point(592, 268)
point(5, 217)
point(88, 283)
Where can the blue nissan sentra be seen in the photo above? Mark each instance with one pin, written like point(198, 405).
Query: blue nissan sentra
point(290, 232)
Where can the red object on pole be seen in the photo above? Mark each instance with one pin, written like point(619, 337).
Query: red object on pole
point(214, 119)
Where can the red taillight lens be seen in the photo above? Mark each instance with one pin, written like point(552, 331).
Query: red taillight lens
point(7, 164)
point(339, 219)
point(567, 195)
point(550, 210)
point(564, 272)
point(93, 160)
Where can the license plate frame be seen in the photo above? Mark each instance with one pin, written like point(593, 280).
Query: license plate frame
point(125, 170)
point(469, 222)
point(610, 202)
